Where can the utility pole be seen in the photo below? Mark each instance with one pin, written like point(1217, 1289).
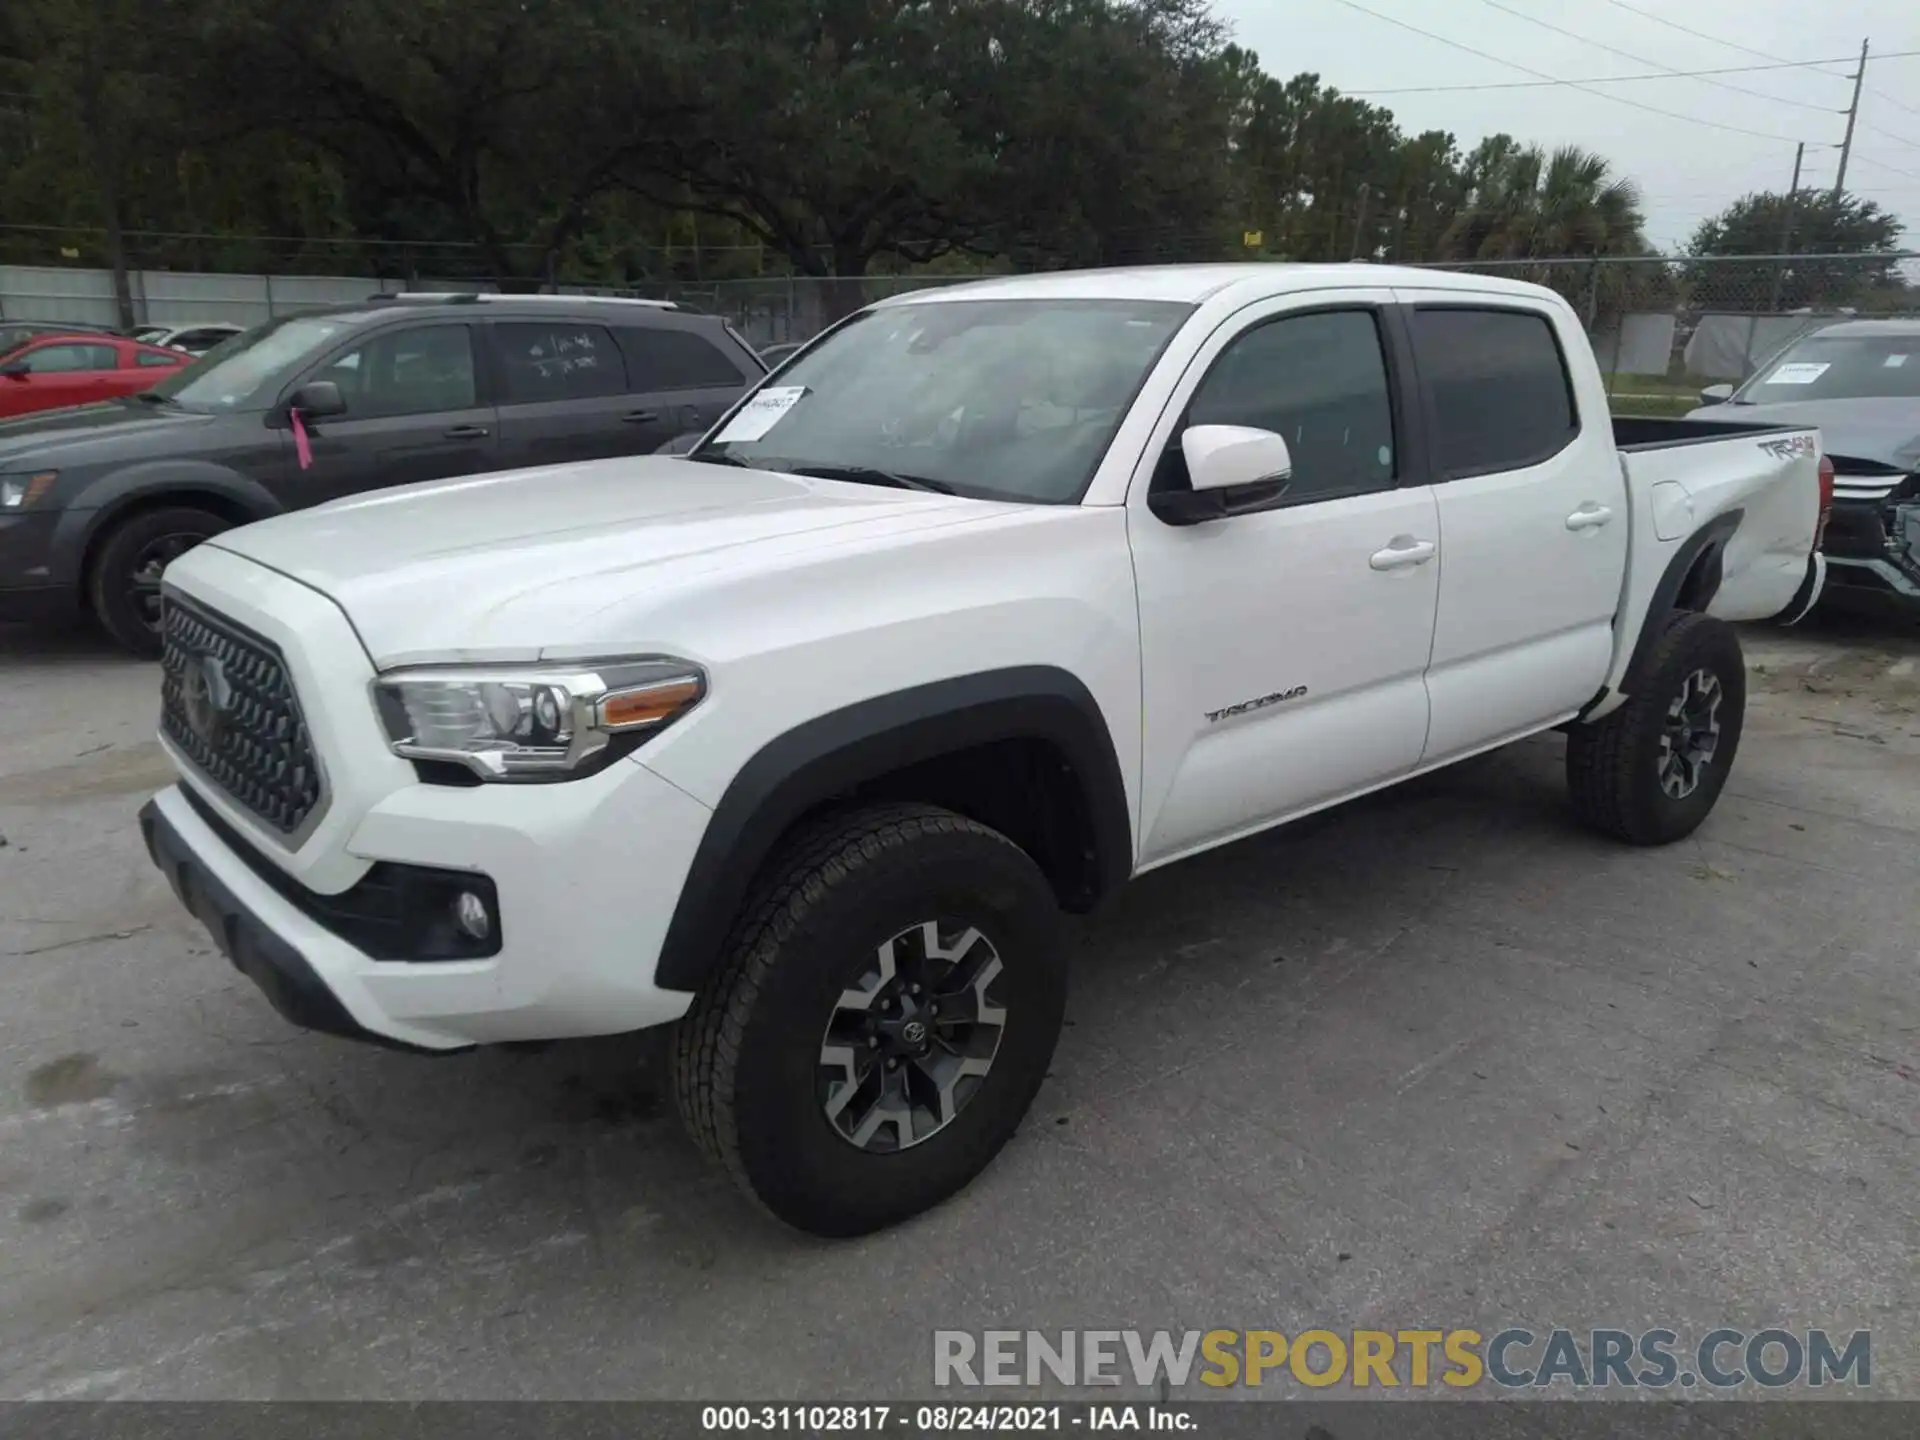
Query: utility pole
point(1786, 227)
point(1853, 112)
point(1360, 221)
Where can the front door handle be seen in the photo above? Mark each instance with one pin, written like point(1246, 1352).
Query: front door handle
point(1404, 551)
point(1589, 517)
point(467, 432)
point(641, 417)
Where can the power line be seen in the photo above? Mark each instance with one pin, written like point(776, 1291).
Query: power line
point(1889, 135)
point(1643, 60)
point(1715, 39)
point(1764, 55)
point(1882, 165)
point(1617, 79)
point(1571, 84)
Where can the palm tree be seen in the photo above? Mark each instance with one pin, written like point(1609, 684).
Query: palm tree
point(1524, 203)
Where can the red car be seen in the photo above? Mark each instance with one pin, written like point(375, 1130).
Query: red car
point(54, 370)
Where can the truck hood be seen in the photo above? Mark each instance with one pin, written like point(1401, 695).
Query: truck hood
point(568, 560)
point(1885, 431)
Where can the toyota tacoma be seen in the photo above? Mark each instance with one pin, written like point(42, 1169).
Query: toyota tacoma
point(990, 599)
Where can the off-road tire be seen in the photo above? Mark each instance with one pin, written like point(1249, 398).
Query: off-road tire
point(113, 595)
point(745, 1056)
point(1614, 765)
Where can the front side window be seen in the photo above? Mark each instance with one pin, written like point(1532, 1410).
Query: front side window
point(556, 360)
point(1853, 367)
point(419, 371)
point(65, 359)
point(1502, 399)
point(999, 399)
point(1319, 382)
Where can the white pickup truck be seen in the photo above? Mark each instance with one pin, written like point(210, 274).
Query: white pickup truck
point(989, 599)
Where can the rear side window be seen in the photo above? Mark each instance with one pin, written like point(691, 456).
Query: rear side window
point(671, 359)
point(1502, 398)
point(153, 357)
point(556, 360)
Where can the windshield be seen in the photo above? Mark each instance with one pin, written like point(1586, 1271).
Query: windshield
point(1867, 367)
point(998, 399)
point(246, 371)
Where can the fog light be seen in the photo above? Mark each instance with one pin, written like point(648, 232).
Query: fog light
point(470, 914)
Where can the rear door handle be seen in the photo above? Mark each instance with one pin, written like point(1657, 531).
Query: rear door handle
point(467, 432)
point(1404, 551)
point(641, 417)
point(1589, 517)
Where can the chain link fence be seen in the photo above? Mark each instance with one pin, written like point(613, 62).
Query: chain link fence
point(1662, 328)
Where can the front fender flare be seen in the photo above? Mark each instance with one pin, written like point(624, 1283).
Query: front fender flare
point(837, 752)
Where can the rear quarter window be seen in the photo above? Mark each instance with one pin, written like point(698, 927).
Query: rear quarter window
point(1502, 395)
point(675, 359)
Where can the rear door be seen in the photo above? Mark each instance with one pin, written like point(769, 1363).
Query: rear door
point(685, 372)
point(1533, 517)
point(563, 393)
point(416, 410)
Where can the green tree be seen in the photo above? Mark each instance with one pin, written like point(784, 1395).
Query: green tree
point(1523, 202)
point(1810, 223)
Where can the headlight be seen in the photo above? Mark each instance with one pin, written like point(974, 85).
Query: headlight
point(17, 492)
point(536, 722)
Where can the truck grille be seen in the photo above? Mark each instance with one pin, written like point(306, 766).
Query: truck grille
point(227, 702)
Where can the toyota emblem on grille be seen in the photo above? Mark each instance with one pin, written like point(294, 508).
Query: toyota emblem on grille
point(206, 695)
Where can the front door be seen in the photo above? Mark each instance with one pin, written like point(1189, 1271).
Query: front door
point(1284, 651)
point(415, 411)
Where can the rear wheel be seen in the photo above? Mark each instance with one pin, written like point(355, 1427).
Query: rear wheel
point(124, 587)
point(1651, 772)
point(882, 1020)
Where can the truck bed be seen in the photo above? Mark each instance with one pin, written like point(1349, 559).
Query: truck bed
point(1633, 433)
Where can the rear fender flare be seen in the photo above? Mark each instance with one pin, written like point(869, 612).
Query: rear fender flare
point(1700, 552)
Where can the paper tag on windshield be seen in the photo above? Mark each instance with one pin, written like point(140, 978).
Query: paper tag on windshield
point(1803, 372)
point(1894, 362)
point(760, 414)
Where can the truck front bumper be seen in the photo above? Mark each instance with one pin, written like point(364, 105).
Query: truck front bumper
point(582, 896)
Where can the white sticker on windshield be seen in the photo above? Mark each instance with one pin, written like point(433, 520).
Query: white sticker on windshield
point(1894, 362)
point(760, 414)
point(1803, 372)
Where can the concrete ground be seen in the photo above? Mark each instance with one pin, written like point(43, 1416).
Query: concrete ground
point(1435, 1059)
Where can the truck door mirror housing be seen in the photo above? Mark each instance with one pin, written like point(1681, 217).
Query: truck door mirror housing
point(1232, 469)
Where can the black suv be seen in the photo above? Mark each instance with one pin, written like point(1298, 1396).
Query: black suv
point(95, 501)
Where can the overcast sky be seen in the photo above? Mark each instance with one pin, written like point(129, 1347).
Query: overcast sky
point(1686, 170)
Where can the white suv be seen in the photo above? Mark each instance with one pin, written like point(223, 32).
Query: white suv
point(998, 596)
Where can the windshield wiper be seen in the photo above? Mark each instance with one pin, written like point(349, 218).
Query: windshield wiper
point(868, 475)
point(148, 397)
point(714, 457)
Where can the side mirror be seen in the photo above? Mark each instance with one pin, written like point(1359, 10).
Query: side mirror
point(16, 371)
point(318, 399)
point(1716, 394)
point(1233, 470)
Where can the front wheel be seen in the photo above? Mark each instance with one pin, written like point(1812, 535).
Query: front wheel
point(124, 586)
point(1650, 772)
point(881, 1022)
